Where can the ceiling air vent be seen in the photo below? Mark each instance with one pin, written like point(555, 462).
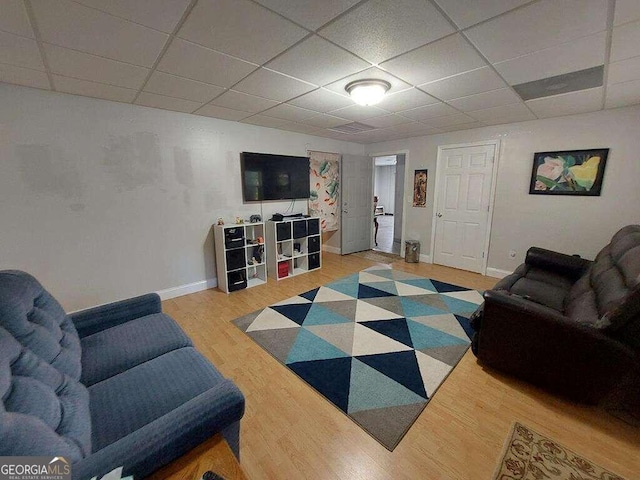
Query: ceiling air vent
point(353, 127)
point(569, 82)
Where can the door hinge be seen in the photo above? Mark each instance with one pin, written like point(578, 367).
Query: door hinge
point(482, 254)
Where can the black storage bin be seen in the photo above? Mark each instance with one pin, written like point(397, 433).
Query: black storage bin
point(313, 226)
point(314, 261)
point(283, 231)
point(236, 280)
point(236, 259)
point(313, 244)
point(233, 237)
point(299, 228)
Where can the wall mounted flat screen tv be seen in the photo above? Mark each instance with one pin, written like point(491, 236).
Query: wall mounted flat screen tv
point(273, 177)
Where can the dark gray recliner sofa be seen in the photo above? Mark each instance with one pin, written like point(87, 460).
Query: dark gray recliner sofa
point(116, 385)
point(565, 323)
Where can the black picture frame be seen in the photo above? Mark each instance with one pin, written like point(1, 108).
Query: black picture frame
point(568, 172)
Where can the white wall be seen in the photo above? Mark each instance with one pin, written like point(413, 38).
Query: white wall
point(398, 199)
point(102, 201)
point(385, 185)
point(580, 225)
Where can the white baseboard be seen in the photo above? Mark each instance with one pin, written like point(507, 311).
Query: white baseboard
point(187, 289)
point(330, 249)
point(497, 273)
point(424, 258)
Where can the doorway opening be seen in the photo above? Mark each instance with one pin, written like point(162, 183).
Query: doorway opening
point(388, 188)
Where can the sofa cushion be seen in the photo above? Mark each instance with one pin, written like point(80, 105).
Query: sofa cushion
point(124, 346)
point(127, 402)
point(38, 322)
point(538, 285)
point(43, 412)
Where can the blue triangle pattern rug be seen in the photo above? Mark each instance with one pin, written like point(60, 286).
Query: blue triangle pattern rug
point(376, 344)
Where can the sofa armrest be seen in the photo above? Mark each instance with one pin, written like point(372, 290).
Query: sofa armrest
point(568, 265)
point(541, 345)
point(168, 437)
point(100, 318)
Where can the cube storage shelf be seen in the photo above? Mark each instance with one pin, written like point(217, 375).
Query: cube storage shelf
point(294, 247)
point(240, 257)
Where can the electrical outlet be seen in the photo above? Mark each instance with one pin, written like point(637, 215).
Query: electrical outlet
point(512, 253)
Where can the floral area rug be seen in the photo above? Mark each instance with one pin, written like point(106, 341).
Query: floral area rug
point(531, 456)
point(377, 344)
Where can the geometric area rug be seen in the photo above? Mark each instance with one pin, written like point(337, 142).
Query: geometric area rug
point(377, 344)
point(530, 456)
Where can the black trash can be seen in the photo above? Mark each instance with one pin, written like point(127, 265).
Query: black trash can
point(412, 251)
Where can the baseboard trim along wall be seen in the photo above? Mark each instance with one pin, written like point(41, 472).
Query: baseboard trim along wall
point(330, 249)
point(497, 273)
point(187, 289)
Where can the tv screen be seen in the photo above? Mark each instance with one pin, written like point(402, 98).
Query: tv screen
point(274, 177)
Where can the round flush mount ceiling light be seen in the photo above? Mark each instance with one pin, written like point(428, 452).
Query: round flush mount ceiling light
point(367, 92)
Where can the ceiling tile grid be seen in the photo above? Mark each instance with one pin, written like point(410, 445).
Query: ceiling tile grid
point(452, 64)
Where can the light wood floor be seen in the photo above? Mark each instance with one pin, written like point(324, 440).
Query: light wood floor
point(290, 432)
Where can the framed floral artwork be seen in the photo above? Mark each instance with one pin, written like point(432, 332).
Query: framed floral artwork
point(569, 172)
point(420, 188)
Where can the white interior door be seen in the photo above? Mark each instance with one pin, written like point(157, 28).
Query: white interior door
point(357, 203)
point(464, 183)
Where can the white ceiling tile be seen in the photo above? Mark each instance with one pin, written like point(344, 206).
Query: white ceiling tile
point(465, 13)
point(311, 14)
point(437, 60)
point(93, 89)
point(463, 84)
point(386, 121)
point(480, 101)
point(20, 51)
point(298, 127)
point(358, 112)
point(406, 100)
point(397, 85)
point(326, 121)
point(23, 76)
point(263, 121)
point(321, 100)
point(172, 86)
point(308, 61)
point(289, 112)
point(69, 24)
point(71, 63)
point(243, 102)
point(14, 19)
point(273, 85)
point(199, 63)
point(430, 111)
point(462, 126)
point(568, 57)
point(625, 41)
point(624, 71)
point(568, 103)
point(626, 11)
point(623, 94)
point(381, 29)
point(516, 112)
point(167, 103)
point(240, 28)
point(449, 120)
point(539, 25)
point(221, 112)
point(414, 128)
point(162, 15)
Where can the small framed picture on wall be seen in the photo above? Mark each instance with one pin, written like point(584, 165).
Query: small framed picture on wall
point(420, 188)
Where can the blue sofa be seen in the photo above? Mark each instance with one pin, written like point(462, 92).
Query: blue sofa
point(116, 385)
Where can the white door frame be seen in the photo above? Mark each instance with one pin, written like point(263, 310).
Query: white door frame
point(492, 193)
point(404, 193)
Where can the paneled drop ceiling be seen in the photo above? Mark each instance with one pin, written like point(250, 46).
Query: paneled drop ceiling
point(452, 64)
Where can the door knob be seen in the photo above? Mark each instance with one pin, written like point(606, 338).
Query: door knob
point(439, 215)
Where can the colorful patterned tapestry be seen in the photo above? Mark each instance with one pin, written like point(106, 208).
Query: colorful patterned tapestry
point(377, 344)
point(324, 201)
